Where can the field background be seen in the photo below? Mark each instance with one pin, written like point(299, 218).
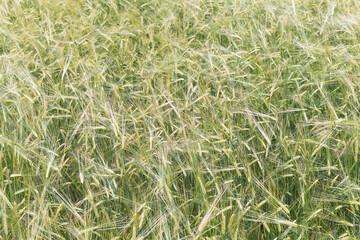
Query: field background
point(184, 119)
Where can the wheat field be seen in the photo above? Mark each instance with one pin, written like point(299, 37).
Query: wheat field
point(179, 119)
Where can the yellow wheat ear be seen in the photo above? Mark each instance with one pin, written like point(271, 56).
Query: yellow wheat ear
point(333, 116)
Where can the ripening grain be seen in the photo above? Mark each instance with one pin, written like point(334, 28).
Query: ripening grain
point(181, 119)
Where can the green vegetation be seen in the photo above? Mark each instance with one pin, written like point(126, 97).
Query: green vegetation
point(179, 119)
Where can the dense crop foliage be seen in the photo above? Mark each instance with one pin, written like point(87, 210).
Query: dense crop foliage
point(185, 119)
